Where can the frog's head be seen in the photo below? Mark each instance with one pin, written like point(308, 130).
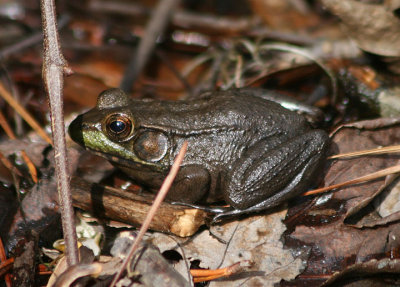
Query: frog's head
point(110, 130)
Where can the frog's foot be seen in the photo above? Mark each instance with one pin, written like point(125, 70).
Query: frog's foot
point(227, 214)
point(216, 210)
point(271, 202)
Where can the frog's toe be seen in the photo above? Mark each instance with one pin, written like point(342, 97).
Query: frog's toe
point(226, 214)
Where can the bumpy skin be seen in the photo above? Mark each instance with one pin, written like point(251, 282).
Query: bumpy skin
point(251, 151)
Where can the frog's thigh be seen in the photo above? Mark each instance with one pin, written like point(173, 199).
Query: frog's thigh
point(190, 185)
point(264, 178)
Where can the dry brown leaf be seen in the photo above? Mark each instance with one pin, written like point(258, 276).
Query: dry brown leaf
point(255, 238)
point(360, 136)
point(374, 27)
point(320, 224)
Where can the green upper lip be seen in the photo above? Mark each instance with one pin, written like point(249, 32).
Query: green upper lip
point(76, 131)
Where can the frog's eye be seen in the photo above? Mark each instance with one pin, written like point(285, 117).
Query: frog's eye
point(118, 127)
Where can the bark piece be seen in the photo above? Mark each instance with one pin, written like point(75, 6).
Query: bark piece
point(132, 208)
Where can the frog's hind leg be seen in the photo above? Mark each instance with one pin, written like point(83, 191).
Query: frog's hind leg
point(265, 178)
point(270, 202)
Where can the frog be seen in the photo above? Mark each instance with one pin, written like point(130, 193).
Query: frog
point(243, 147)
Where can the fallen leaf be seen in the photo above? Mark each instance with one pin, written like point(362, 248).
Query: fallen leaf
point(374, 27)
point(256, 239)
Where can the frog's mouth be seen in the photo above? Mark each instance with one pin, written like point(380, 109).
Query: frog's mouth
point(91, 137)
point(75, 131)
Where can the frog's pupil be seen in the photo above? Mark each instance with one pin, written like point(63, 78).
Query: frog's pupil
point(117, 126)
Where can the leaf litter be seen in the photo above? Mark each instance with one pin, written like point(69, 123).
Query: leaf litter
point(353, 230)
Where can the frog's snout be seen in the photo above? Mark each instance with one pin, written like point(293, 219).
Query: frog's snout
point(75, 130)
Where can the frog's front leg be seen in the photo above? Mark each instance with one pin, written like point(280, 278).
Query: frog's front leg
point(264, 178)
point(190, 185)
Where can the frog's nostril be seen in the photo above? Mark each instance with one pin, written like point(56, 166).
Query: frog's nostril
point(75, 130)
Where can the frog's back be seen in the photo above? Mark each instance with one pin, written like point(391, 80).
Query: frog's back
point(218, 127)
point(219, 112)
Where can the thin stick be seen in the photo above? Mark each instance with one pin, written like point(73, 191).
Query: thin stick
point(197, 21)
point(200, 275)
point(371, 176)
point(153, 209)
point(24, 114)
point(31, 167)
point(4, 262)
point(6, 127)
point(31, 40)
point(380, 150)
point(7, 163)
point(5, 266)
point(54, 67)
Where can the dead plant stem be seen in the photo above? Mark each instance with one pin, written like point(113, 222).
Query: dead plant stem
point(54, 67)
point(154, 29)
point(153, 209)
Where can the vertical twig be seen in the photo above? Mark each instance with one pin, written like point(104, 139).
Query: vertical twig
point(154, 29)
point(54, 67)
point(166, 185)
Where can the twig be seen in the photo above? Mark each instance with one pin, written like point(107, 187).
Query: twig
point(200, 275)
point(6, 127)
point(159, 198)
point(5, 266)
point(132, 208)
point(375, 151)
point(371, 176)
point(31, 167)
point(182, 19)
point(7, 163)
point(30, 40)
point(4, 263)
point(154, 29)
point(23, 113)
point(54, 67)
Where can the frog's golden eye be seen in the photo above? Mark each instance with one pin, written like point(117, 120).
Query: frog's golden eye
point(118, 127)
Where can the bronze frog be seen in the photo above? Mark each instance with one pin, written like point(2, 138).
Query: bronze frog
point(242, 148)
